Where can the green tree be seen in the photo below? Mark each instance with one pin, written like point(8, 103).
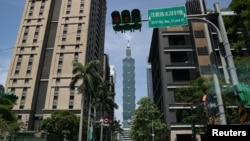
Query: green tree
point(193, 92)
point(239, 23)
point(104, 102)
point(116, 128)
point(243, 68)
point(86, 74)
point(62, 123)
point(104, 98)
point(8, 119)
point(146, 121)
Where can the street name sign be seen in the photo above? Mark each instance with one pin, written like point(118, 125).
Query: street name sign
point(164, 17)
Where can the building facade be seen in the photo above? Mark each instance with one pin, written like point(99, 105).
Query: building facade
point(149, 81)
point(128, 88)
point(179, 55)
point(51, 35)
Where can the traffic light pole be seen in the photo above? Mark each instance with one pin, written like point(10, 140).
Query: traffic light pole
point(228, 54)
point(215, 77)
point(239, 89)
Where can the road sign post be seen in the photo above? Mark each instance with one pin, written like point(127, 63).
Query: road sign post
point(163, 17)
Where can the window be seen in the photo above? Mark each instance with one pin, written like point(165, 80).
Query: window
point(205, 70)
point(72, 92)
point(199, 34)
point(33, 48)
point(30, 13)
point(28, 72)
point(67, 19)
point(22, 49)
point(16, 72)
point(202, 51)
point(14, 81)
point(56, 91)
point(59, 71)
point(26, 81)
point(23, 41)
point(58, 80)
point(78, 38)
point(34, 40)
point(181, 75)
point(54, 107)
point(176, 40)
point(24, 91)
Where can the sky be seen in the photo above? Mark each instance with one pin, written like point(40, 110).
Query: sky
point(115, 43)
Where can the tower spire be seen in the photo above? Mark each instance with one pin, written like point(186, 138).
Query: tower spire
point(128, 51)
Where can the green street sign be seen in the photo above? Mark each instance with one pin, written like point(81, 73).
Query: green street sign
point(172, 16)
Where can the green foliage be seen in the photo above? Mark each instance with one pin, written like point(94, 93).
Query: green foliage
point(239, 23)
point(11, 97)
point(243, 68)
point(8, 120)
point(192, 93)
point(146, 116)
point(86, 74)
point(62, 123)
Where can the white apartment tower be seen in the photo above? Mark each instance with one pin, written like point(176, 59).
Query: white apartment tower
point(51, 35)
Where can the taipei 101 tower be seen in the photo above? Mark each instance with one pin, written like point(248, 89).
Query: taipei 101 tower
point(128, 88)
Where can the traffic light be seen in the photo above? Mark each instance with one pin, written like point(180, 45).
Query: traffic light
point(126, 20)
point(243, 94)
point(136, 19)
point(116, 20)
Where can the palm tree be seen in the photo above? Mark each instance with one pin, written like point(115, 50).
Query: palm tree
point(104, 100)
point(87, 74)
point(116, 128)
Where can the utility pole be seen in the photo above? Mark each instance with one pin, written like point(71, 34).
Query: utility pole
point(228, 54)
point(214, 71)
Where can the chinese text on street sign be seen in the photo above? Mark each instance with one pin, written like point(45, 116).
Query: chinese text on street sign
point(173, 16)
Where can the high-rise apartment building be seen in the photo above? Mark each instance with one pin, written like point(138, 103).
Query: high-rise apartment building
point(128, 88)
point(51, 35)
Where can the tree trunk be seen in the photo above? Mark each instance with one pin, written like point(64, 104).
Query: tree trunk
point(81, 120)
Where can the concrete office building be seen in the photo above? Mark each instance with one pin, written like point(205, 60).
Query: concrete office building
point(51, 35)
point(179, 55)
